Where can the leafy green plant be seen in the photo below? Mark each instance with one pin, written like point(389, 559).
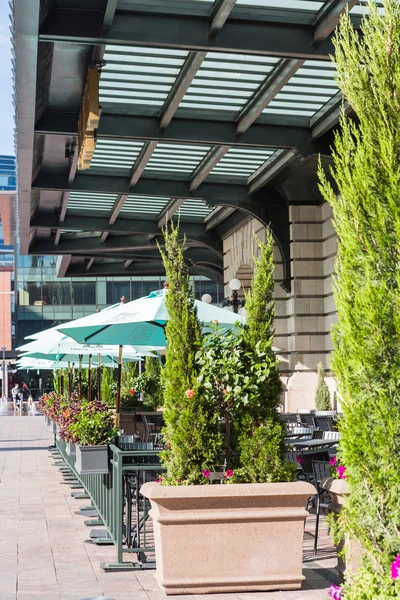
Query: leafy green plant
point(108, 387)
point(154, 396)
point(366, 357)
point(191, 422)
point(94, 425)
point(239, 374)
point(322, 393)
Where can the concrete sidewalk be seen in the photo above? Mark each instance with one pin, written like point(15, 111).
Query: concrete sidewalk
point(43, 554)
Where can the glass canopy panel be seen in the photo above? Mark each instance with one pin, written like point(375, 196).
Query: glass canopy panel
point(361, 8)
point(136, 75)
point(176, 158)
point(143, 205)
point(79, 202)
point(240, 163)
point(310, 88)
point(115, 154)
point(193, 209)
point(227, 81)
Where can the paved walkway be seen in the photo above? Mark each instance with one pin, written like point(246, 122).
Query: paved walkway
point(43, 554)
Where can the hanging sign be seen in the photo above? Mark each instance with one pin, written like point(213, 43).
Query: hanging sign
point(88, 119)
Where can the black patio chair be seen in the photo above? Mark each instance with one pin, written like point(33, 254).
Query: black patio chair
point(307, 419)
point(289, 418)
point(320, 471)
point(325, 423)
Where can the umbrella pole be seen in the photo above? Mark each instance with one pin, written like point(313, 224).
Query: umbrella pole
point(99, 377)
point(69, 381)
point(62, 382)
point(80, 378)
point(118, 396)
point(89, 391)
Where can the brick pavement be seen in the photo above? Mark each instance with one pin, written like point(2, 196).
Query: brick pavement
point(43, 554)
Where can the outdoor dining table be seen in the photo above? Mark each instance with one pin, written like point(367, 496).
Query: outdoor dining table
point(308, 444)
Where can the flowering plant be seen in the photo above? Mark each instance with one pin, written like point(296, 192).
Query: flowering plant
point(335, 592)
point(94, 425)
point(336, 471)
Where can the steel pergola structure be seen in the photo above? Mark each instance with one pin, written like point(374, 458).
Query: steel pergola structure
point(215, 111)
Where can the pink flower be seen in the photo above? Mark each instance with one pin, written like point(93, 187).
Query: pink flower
point(333, 461)
point(335, 592)
point(229, 473)
point(299, 460)
point(341, 471)
point(395, 567)
point(206, 473)
point(189, 393)
point(159, 480)
point(179, 480)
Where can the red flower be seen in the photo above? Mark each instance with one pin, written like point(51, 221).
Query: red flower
point(189, 393)
point(229, 473)
point(131, 391)
point(206, 473)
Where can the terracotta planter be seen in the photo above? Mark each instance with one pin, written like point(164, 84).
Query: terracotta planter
point(91, 460)
point(228, 538)
point(338, 490)
point(70, 449)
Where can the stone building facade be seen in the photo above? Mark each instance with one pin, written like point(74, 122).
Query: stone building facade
point(304, 316)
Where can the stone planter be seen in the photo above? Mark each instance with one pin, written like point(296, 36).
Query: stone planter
point(228, 538)
point(91, 460)
point(338, 490)
point(70, 449)
point(47, 420)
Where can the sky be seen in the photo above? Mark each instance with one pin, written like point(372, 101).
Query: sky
point(6, 107)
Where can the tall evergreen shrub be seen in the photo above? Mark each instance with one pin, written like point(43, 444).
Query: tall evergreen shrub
point(191, 424)
point(366, 357)
point(261, 434)
point(322, 393)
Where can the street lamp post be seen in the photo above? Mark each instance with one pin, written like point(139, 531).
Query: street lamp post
point(5, 386)
point(234, 301)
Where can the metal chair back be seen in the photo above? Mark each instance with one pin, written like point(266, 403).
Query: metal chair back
point(332, 435)
point(289, 418)
point(307, 419)
point(307, 458)
point(129, 442)
point(325, 423)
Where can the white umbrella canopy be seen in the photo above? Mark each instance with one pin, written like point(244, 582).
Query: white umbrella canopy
point(29, 362)
point(140, 322)
point(53, 342)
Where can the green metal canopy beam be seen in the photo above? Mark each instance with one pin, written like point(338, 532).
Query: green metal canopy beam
point(221, 11)
point(194, 130)
point(329, 17)
point(210, 192)
point(46, 220)
point(272, 85)
point(127, 243)
point(290, 40)
point(183, 81)
point(137, 268)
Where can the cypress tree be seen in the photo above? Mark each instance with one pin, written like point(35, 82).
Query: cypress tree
point(260, 432)
point(191, 421)
point(366, 357)
point(322, 394)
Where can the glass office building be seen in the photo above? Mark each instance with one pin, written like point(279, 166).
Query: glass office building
point(44, 301)
point(7, 237)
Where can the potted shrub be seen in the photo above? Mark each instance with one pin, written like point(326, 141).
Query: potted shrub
point(231, 381)
point(348, 550)
point(366, 357)
point(92, 431)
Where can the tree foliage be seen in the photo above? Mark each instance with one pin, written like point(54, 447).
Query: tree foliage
point(239, 373)
point(191, 421)
point(322, 393)
point(154, 394)
point(366, 357)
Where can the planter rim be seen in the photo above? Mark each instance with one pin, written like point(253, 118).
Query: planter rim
point(98, 446)
point(336, 486)
point(153, 490)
